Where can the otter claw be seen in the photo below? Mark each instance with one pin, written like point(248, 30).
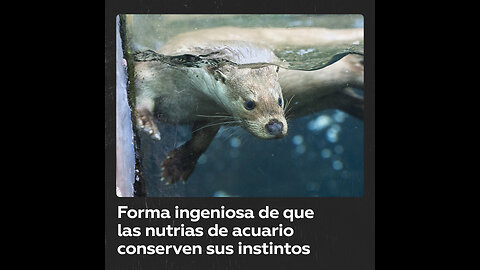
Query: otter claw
point(146, 122)
point(177, 166)
point(156, 136)
point(165, 176)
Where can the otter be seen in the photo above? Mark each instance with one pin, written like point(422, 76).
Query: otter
point(210, 82)
point(210, 96)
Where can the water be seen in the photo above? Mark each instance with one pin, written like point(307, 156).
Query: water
point(322, 155)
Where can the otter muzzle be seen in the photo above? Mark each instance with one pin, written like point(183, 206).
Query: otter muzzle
point(274, 127)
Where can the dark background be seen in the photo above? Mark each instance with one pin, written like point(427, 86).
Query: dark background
point(342, 235)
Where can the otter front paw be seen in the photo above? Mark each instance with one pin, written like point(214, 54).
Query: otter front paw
point(145, 121)
point(178, 165)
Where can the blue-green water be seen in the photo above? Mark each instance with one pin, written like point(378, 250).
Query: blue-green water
point(322, 155)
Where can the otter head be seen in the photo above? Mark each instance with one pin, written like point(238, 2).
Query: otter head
point(254, 98)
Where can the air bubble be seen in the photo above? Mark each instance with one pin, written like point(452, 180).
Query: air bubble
point(337, 165)
point(235, 142)
point(300, 149)
point(326, 153)
point(319, 123)
point(332, 133)
point(339, 116)
point(297, 139)
point(338, 149)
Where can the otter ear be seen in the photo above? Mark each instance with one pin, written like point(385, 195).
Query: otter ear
point(220, 76)
point(217, 74)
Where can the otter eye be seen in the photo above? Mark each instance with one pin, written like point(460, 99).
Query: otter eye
point(280, 102)
point(249, 105)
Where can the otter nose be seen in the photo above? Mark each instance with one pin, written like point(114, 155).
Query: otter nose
point(274, 127)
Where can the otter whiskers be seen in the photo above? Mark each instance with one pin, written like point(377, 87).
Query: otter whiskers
point(215, 116)
point(233, 130)
point(288, 110)
point(217, 124)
